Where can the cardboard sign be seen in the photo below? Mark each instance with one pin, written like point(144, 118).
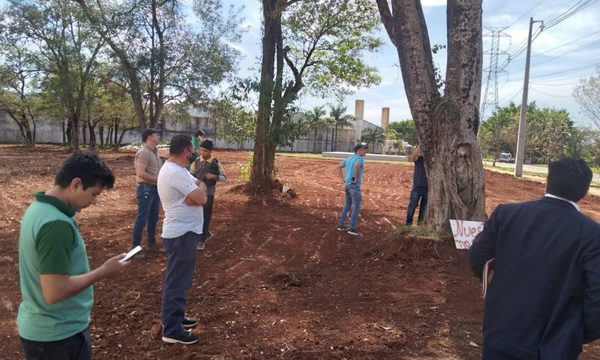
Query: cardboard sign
point(464, 232)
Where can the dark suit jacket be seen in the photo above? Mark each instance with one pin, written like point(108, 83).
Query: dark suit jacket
point(544, 299)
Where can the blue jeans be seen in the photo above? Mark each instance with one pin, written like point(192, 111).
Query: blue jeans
point(353, 197)
point(416, 194)
point(148, 205)
point(76, 347)
point(181, 263)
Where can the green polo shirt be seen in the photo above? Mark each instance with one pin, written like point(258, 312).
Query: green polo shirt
point(50, 243)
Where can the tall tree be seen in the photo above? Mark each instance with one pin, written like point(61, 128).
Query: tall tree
point(163, 58)
point(340, 119)
point(551, 134)
point(65, 50)
point(315, 120)
point(307, 43)
point(236, 122)
point(18, 94)
point(373, 137)
point(446, 123)
point(405, 130)
point(587, 95)
point(498, 133)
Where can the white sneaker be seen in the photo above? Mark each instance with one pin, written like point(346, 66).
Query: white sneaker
point(201, 245)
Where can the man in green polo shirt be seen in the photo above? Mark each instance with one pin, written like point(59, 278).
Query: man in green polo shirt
point(55, 277)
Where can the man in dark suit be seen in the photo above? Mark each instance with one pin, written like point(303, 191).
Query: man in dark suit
point(543, 301)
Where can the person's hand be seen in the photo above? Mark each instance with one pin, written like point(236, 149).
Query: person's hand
point(112, 265)
point(190, 202)
point(211, 177)
point(202, 186)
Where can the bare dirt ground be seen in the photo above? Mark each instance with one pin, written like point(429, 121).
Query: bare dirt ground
point(277, 281)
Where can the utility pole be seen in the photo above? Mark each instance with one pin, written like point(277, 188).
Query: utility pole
point(523, 118)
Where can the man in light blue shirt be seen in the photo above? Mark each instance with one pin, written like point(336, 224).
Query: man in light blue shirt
point(352, 180)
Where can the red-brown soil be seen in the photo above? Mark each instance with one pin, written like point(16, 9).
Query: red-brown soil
point(277, 280)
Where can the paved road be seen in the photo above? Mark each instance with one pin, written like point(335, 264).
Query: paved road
point(543, 170)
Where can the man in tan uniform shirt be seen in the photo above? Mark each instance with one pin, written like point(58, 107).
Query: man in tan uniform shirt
point(147, 165)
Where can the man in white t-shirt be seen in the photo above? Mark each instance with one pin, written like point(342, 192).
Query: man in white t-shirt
point(182, 197)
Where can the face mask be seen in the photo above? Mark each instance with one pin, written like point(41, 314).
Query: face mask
point(192, 157)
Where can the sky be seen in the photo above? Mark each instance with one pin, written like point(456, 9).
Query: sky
point(562, 55)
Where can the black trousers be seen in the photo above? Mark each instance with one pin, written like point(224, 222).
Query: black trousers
point(208, 208)
point(76, 347)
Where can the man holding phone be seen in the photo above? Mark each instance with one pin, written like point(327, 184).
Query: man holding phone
point(54, 273)
point(182, 197)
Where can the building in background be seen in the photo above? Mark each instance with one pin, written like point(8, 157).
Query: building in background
point(52, 131)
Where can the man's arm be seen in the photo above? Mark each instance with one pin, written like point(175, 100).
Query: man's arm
point(591, 306)
point(197, 197)
point(484, 246)
point(416, 153)
point(339, 168)
point(58, 287)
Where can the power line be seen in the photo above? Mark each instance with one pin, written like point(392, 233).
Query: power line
point(569, 70)
point(569, 43)
point(521, 49)
point(545, 83)
point(527, 12)
point(512, 95)
point(553, 95)
point(567, 14)
point(572, 10)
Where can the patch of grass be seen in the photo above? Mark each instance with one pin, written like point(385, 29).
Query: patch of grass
point(416, 231)
point(246, 169)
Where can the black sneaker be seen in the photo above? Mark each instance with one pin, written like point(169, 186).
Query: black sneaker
point(353, 232)
point(185, 337)
point(189, 322)
point(201, 245)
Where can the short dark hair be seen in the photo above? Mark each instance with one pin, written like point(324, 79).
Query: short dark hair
point(207, 144)
point(569, 178)
point(360, 146)
point(88, 167)
point(147, 132)
point(200, 133)
point(179, 143)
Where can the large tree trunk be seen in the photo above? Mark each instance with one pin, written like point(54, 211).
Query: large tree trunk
point(74, 127)
point(24, 128)
point(92, 130)
point(264, 148)
point(446, 125)
point(101, 135)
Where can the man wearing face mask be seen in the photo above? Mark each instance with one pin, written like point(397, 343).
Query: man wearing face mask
point(182, 197)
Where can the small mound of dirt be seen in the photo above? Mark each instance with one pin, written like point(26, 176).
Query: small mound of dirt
point(284, 280)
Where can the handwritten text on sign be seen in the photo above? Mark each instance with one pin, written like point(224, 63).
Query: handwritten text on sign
point(464, 232)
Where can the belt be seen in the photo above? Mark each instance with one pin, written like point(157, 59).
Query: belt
point(145, 183)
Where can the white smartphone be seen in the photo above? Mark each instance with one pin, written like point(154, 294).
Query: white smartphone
point(131, 254)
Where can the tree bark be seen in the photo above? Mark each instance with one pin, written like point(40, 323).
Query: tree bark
point(24, 128)
point(101, 135)
point(446, 124)
point(264, 148)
